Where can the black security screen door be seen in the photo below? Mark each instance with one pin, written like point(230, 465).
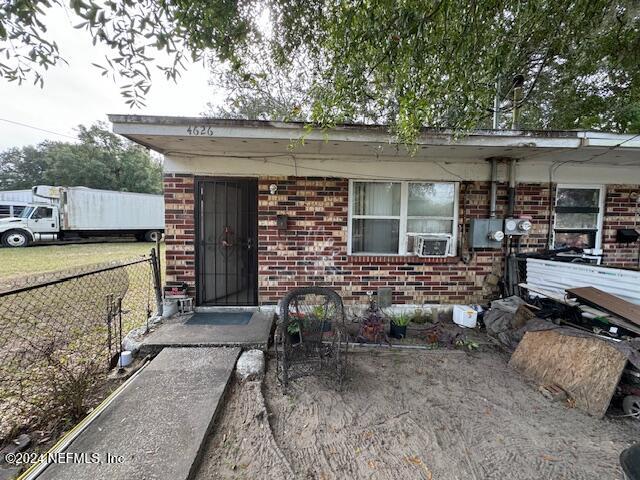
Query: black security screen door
point(227, 263)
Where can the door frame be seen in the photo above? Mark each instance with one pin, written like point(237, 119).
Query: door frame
point(198, 181)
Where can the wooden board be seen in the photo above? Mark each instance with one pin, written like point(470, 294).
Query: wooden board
point(599, 299)
point(593, 312)
point(612, 319)
point(587, 368)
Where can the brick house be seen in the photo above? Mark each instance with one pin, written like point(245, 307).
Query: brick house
point(256, 208)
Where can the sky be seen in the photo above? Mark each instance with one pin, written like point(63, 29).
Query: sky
point(76, 93)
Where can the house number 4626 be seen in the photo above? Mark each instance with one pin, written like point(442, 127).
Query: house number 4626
point(199, 130)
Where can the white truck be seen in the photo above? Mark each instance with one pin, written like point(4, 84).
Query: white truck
point(12, 202)
point(67, 213)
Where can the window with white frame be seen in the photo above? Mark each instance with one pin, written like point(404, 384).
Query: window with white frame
point(578, 216)
point(385, 217)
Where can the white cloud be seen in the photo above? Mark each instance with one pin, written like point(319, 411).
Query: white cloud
point(76, 93)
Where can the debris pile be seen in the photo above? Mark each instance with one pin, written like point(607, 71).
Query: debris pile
point(580, 344)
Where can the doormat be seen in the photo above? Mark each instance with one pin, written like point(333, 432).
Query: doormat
point(220, 318)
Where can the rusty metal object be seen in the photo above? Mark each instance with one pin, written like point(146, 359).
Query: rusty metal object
point(311, 337)
point(372, 324)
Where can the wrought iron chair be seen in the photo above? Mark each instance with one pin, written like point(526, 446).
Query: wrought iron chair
point(311, 337)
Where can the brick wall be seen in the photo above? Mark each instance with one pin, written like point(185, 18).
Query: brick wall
point(532, 201)
point(621, 211)
point(312, 251)
point(179, 229)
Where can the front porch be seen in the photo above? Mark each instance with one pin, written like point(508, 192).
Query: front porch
point(218, 327)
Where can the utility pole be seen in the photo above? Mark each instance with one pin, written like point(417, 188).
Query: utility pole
point(518, 81)
point(496, 106)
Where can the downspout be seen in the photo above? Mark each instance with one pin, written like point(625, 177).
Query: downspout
point(512, 188)
point(509, 261)
point(494, 188)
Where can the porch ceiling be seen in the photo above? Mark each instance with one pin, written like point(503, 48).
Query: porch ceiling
point(184, 136)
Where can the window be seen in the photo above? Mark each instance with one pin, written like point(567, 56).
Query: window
point(5, 211)
point(385, 217)
point(578, 218)
point(42, 213)
point(26, 212)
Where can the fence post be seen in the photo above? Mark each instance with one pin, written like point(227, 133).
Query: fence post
point(119, 306)
point(157, 283)
point(109, 329)
point(158, 256)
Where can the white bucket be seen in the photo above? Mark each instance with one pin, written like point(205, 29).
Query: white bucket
point(465, 316)
point(125, 359)
point(169, 308)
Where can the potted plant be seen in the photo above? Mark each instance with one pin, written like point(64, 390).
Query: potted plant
point(294, 327)
point(293, 330)
point(323, 314)
point(398, 326)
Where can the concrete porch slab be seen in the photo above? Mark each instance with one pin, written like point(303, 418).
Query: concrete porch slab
point(158, 423)
point(180, 333)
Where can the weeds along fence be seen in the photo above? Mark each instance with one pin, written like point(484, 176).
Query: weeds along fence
point(60, 337)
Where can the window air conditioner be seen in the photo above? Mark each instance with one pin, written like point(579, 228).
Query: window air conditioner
point(432, 245)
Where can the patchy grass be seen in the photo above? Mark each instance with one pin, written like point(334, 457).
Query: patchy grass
point(55, 345)
point(19, 262)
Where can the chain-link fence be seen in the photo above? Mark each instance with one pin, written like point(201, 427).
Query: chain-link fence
point(60, 336)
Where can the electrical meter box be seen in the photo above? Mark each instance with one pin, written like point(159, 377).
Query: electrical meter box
point(517, 226)
point(486, 232)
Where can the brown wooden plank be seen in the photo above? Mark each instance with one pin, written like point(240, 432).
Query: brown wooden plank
point(606, 301)
point(611, 318)
point(587, 368)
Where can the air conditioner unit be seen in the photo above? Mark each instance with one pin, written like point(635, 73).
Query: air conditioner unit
point(432, 245)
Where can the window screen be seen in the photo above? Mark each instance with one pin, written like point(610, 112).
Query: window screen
point(577, 217)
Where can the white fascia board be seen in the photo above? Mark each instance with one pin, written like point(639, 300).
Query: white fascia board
point(612, 140)
point(528, 172)
point(502, 139)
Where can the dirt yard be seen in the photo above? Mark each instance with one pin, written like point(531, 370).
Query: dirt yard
point(419, 415)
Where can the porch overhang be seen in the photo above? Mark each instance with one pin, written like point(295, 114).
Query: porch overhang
point(198, 138)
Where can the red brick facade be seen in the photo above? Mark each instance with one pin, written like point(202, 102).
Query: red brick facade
point(179, 229)
point(622, 210)
point(313, 248)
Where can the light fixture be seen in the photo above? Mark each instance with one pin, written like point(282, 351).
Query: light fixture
point(273, 188)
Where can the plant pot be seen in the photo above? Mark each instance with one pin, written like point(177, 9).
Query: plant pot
point(294, 338)
point(397, 331)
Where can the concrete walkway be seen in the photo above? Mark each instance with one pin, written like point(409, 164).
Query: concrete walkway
point(181, 333)
point(157, 426)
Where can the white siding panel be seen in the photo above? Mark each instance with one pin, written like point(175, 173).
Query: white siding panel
point(559, 276)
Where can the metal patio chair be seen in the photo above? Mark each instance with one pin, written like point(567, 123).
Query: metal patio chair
point(311, 337)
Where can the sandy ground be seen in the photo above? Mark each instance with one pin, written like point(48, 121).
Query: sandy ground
point(417, 415)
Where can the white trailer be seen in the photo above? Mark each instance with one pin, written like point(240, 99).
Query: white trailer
point(64, 213)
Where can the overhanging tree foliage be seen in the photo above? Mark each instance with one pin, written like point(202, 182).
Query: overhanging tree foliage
point(418, 62)
point(100, 159)
point(263, 90)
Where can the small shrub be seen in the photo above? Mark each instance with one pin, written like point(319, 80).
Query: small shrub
point(420, 317)
point(401, 319)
